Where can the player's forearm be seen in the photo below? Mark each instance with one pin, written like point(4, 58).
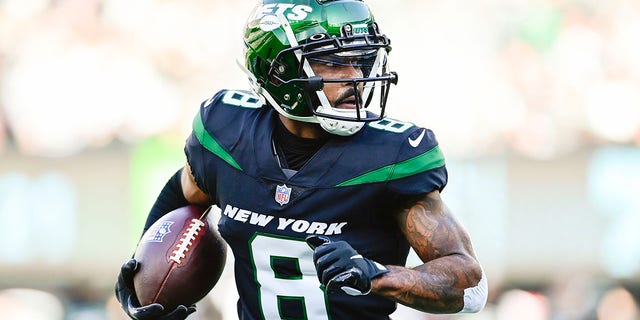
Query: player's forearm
point(435, 287)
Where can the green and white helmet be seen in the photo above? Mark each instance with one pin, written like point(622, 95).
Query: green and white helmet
point(283, 36)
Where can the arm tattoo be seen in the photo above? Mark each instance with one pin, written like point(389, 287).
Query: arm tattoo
point(437, 286)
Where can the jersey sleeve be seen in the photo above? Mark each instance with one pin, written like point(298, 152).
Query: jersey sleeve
point(216, 139)
point(420, 165)
point(196, 153)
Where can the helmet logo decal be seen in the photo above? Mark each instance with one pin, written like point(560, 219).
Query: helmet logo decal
point(360, 29)
point(269, 23)
point(290, 11)
point(349, 30)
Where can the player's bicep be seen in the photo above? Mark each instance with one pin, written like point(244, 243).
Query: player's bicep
point(190, 188)
point(431, 229)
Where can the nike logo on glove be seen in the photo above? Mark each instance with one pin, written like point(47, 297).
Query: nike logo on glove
point(416, 142)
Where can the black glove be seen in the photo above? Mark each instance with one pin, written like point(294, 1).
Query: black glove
point(126, 295)
point(340, 266)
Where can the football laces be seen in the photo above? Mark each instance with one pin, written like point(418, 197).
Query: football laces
point(186, 241)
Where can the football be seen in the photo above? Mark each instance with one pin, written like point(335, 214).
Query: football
point(181, 257)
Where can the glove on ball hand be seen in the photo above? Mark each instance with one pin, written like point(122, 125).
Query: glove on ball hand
point(125, 294)
point(339, 266)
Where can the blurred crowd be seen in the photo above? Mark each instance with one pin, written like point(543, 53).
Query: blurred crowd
point(573, 66)
point(538, 78)
point(78, 74)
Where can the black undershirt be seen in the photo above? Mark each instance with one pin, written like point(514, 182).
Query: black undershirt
point(294, 151)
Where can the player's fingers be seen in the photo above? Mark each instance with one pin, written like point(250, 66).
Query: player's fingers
point(322, 252)
point(329, 273)
point(349, 281)
point(315, 241)
point(151, 311)
point(325, 260)
point(338, 281)
point(129, 268)
point(191, 309)
point(180, 312)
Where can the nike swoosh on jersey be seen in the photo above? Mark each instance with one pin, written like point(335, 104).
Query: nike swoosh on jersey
point(416, 142)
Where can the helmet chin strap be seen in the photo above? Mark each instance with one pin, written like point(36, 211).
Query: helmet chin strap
point(340, 127)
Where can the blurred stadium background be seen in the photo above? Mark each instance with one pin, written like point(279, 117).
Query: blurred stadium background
point(535, 102)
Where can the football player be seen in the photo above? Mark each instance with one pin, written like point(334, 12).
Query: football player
point(322, 196)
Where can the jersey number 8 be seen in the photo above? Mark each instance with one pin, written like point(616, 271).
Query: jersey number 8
point(287, 276)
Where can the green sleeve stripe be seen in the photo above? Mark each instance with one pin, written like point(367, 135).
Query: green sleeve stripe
point(209, 143)
point(429, 160)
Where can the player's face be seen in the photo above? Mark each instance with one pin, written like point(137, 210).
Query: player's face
point(341, 95)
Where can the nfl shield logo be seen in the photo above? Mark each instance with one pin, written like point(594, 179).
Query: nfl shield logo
point(158, 232)
point(283, 194)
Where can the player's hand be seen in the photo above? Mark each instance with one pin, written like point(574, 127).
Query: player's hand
point(125, 293)
point(339, 266)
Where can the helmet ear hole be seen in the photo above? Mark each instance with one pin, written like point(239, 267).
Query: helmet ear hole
point(274, 80)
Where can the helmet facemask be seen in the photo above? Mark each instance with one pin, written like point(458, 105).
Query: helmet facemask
point(366, 52)
point(282, 55)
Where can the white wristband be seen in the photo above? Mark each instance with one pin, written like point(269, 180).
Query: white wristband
point(475, 298)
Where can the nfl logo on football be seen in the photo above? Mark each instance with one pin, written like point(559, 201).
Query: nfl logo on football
point(160, 231)
point(283, 193)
